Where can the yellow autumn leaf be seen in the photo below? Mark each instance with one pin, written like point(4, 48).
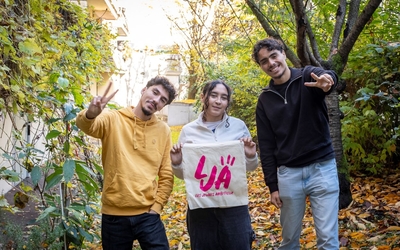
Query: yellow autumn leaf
point(310, 245)
point(308, 230)
point(393, 228)
point(174, 241)
point(356, 245)
point(364, 215)
point(357, 235)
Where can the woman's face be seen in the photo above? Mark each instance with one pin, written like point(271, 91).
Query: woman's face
point(218, 101)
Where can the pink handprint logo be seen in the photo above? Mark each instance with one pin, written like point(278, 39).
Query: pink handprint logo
point(224, 176)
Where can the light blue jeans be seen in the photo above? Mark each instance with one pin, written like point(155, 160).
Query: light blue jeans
point(320, 183)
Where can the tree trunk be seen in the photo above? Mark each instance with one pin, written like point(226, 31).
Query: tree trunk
point(334, 112)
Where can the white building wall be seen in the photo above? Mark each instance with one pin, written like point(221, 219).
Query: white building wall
point(180, 114)
point(8, 146)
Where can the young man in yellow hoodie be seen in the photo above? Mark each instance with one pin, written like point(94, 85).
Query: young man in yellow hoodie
point(138, 177)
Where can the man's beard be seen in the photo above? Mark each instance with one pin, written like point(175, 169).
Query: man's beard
point(280, 76)
point(146, 112)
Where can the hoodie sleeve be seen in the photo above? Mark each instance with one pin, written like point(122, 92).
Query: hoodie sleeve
point(93, 127)
point(252, 163)
point(165, 178)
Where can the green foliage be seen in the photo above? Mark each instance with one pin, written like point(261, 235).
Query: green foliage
point(370, 128)
point(17, 239)
point(51, 53)
point(244, 77)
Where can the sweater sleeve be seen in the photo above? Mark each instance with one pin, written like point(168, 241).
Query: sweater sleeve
point(252, 163)
point(165, 179)
point(267, 144)
point(93, 127)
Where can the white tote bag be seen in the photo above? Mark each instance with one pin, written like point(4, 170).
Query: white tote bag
point(215, 174)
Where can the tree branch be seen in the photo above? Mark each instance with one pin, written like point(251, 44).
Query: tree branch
point(353, 13)
point(271, 32)
point(301, 23)
point(355, 32)
point(340, 15)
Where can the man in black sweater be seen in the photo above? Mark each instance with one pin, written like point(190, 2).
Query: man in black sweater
point(295, 146)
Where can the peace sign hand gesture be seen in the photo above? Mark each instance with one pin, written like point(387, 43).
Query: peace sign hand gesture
point(98, 103)
point(324, 82)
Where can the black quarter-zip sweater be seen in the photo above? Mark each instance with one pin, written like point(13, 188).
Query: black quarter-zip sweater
point(293, 127)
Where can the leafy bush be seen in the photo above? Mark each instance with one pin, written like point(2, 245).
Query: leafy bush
point(370, 128)
point(51, 52)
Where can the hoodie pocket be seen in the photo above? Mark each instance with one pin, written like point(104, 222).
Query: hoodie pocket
point(129, 191)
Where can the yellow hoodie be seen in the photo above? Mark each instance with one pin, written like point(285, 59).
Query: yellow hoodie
point(136, 160)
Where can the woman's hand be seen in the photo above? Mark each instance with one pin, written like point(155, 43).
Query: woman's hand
point(176, 154)
point(249, 147)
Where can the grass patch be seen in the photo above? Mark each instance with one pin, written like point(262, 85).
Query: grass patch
point(175, 131)
point(179, 185)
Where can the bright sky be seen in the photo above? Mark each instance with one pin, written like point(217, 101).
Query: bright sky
point(147, 22)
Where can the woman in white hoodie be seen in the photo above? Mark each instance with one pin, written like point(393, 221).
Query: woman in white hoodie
point(216, 227)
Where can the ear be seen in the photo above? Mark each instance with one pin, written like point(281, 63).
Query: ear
point(143, 90)
point(202, 97)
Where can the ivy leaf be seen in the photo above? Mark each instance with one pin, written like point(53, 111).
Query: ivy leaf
point(54, 77)
point(63, 82)
point(30, 47)
point(67, 107)
point(71, 44)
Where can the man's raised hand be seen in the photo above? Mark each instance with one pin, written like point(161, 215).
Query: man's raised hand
point(98, 103)
point(324, 82)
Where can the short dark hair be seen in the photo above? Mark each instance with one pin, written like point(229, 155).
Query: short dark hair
point(163, 81)
point(268, 43)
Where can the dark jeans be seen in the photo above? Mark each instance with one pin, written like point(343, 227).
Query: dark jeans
point(119, 232)
point(220, 228)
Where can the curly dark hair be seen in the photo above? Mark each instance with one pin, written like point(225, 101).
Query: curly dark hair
point(161, 80)
point(268, 43)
